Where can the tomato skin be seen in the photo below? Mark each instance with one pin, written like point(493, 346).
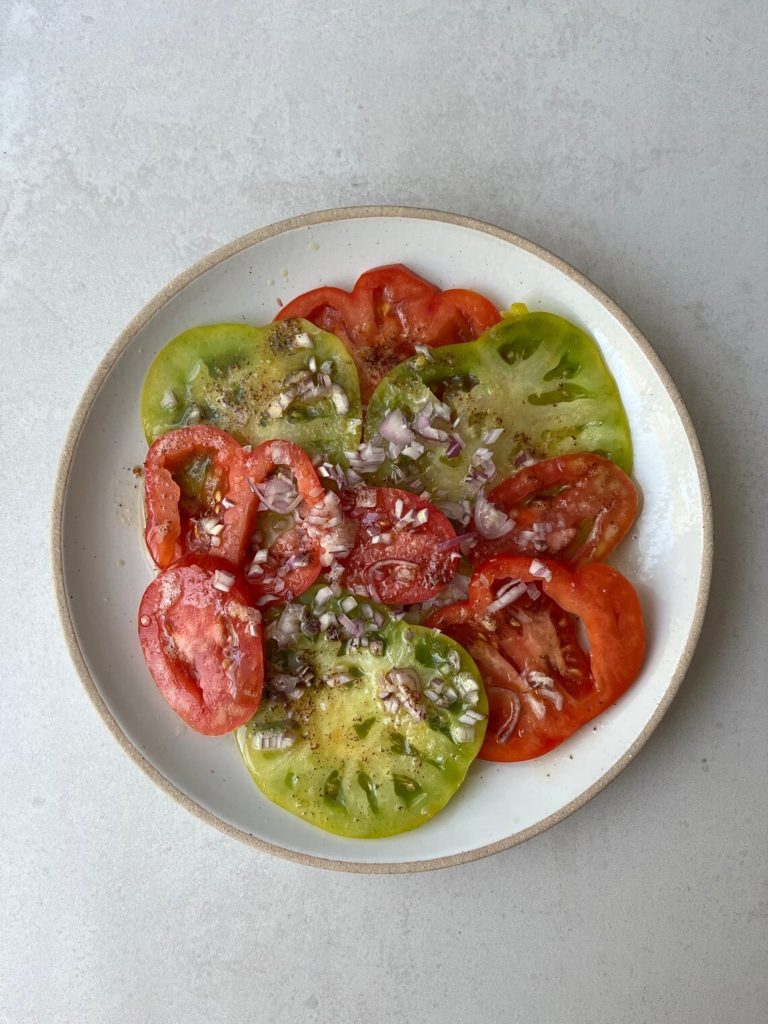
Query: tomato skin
point(389, 310)
point(591, 494)
point(428, 567)
point(164, 529)
point(610, 612)
point(203, 646)
point(295, 541)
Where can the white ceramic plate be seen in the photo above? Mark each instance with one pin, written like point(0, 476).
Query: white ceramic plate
point(101, 569)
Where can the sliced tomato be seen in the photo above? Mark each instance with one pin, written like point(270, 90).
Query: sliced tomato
point(388, 312)
point(282, 476)
point(202, 641)
point(520, 624)
point(214, 514)
point(576, 507)
point(404, 550)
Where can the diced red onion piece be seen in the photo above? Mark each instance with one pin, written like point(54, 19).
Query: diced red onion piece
point(455, 446)
point(339, 399)
point(536, 679)
point(463, 733)
point(288, 626)
point(451, 542)
point(490, 521)
point(299, 560)
point(339, 679)
point(535, 705)
point(349, 625)
point(406, 569)
point(223, 580)
point(540, 570)
point(553, 695)
point(433, 433)
point(413, 451)
point(394, 428)
point(440, 409)
point(507, 727)
point(507, 598)
point(336, 571)
point(323, 596)
point(492, 436)
point(278, 494)
point(468, 541)
point(169, 399)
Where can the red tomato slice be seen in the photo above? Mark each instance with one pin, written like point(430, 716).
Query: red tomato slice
point(403, 551)
point(541, 685)
point(389, 310)
point(202, 642)
point(224, 512)
point(576, 507)
point(292, 562)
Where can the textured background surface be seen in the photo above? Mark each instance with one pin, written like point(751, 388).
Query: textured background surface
point(627, 137)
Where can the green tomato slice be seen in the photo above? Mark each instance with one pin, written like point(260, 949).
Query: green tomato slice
point(288, 380)
point(360, 763)
point(537, 376)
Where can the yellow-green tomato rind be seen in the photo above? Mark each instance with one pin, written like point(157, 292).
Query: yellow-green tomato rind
point(355, 769)
point(536, 375)
point(232, 375)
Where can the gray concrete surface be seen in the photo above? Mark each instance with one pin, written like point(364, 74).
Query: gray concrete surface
point(628, 137)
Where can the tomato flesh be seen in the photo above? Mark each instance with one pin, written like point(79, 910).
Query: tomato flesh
point(203, 645)
point(576, 507)
point(402, 553)
point(542, 686)
point(389, 310)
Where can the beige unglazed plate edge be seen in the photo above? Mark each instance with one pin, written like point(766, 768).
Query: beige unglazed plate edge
point(73, 435)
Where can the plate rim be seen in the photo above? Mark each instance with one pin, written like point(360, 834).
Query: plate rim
point(77, 424)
